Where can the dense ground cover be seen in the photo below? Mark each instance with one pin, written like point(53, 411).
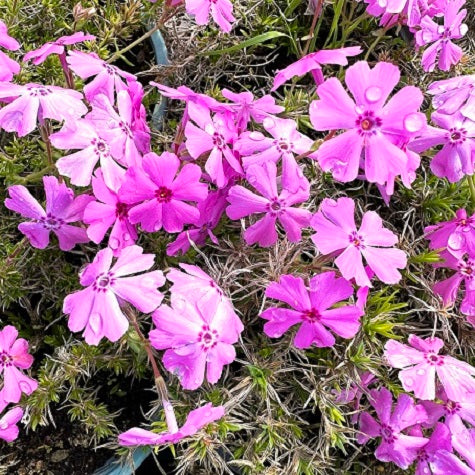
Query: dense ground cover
point(288, 348)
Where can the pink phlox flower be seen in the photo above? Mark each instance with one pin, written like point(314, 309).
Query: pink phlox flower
point(220, 10)
point(34, 101)
point(286, 142)
point(395, 446)
point(6, 41)
point(79, 165)
point(115, 127)
point(56, 47)
point(421, 362)
point(456, 235)
point(198, 335)
point(276, 206)
point(465, 273)
point(108, 80)
point(96, 309)
point(160, 193)
point(313, 63)
point(139, 124)
point(354, 392)
point(8, 67)
point(463, 440)
point(453, 95)
point(194, 281)
point(457, 156)
point(440, 37)
point(196, 420)
point(375, 132)
point(8, 424)
point(336, 231)
point(211, 210)
point(213, 135)
point(62, 208)
point(446, 462)
point(440, 439)
point(245, 107)
point(14, 357)
point(449, 409)
point(312, 308)
point(109, 211)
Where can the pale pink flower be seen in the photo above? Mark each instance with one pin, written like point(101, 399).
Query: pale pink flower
point(62, 208)
point(160, 192)
point(8, 67)
point(446, 463)
point(313, 63)
point(276, 206)
point(33, 102)
point(109, 211)
point(220, 10)
point(6, 41)
point(421, 362)
point(395, 446)
point(108, 80)
point(96, 309)
point(8, 424)
point(312, 308)
point(336, 231)
point(14, 357)
point(56, 47)
point(196, 420)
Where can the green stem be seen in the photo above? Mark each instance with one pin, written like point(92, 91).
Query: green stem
point(374, 44)
point(471, 184)
point(32, 177)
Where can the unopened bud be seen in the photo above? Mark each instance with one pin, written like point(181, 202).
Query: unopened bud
point(82, 13)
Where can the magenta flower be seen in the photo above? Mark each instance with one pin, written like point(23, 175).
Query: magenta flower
point(375, 133)
point(211, 210)
point(79, 166)
point(213, 135)
point(395, 446)
point(276, 206)
point(312, 63)
point(108, 79)
point(287, 142)
point(446, 462)
point(245, 107)
point(312, 309)
point(61, 209)
point(139, 124)
point(439, 37)
point(6, 41)
point(96, 309)
point(109, 211)
point(115, 127)
point(220, 10)
point(34, 101)
point(421, 361)
point(456, 235)
point(8, 67)
point(8, 424)
point(162, 191)
point(463, 440)
point(457, 135)
point(453, 95)
point(196, 420)
point(198, 334)
point(13, 357)
point(336, 231)
point(56, 47)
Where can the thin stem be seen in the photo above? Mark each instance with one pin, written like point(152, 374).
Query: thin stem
point(316, 14)
point(32, 177)
point(374, 44)
point(44, 129)
point(159, 381)
point(67, 72)
point(471, 184)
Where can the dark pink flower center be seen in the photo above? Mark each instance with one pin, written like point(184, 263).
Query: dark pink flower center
point(110, 69)
point(101, 149)
point(121, 210)
point(452, 407)
point(357, 240)
point(311, 315)
point(103, 282)
point(5, 359)
point(163, 194)
point(207, 337)
point(51, 222)
point(465, 268)
point(367, 123)
point(283, 145)
point(219, 141)
point(37, 91)
point(387, 434)
point(422, 456)
point(457, 136)
point(125, 129)
point(433, 359)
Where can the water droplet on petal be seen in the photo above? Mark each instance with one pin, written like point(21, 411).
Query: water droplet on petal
point(268, 123)
point(463, 29)
point(114, 243)
point(126, 236)
point(252, 179)
point(359, 109)
point(3, 425)
point(421, 372)
point(157, 226)
point(425, 470)
point(440, 29)
point(409, 382)
point(95, 323)
point(373, 93)
point(414, 122)
point(111, 124)
point(383, 3)
point(256, 136)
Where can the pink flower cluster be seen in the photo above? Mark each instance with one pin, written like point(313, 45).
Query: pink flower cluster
point(14, 358)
